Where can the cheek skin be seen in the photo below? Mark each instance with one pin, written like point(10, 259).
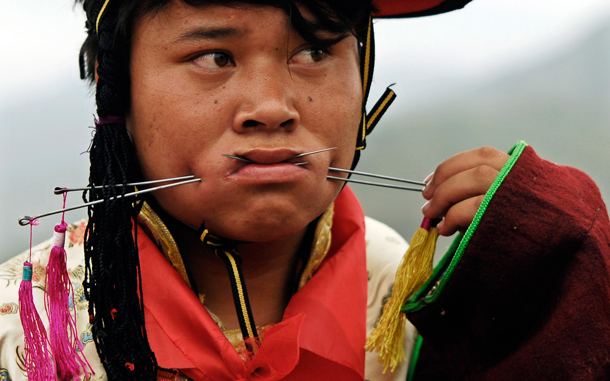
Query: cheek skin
point(171, 127)
point(347, 108)
point(333, 122)
point(182, 125)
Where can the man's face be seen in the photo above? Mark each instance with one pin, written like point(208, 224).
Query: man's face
point(217, 80)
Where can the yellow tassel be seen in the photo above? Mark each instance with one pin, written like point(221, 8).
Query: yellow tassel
point(413, 271)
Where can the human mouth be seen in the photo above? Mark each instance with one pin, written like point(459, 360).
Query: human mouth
point(289, 160)
point(270, 166)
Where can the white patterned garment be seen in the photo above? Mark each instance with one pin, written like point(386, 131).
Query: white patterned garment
point(11, 332)
point(384, 248)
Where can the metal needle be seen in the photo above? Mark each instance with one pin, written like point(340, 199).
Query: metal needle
point(27, 219)
point(59, 190)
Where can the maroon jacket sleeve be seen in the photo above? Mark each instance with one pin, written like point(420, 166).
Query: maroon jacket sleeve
point(530, 295)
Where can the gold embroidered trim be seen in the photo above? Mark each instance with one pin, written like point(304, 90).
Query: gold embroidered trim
point(156, 229)
point(322, 238)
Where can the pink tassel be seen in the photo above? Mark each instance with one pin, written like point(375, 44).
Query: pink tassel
point(67, 349)
point(38, 361)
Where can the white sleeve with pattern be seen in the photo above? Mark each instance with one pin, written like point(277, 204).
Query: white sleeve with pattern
point(12, 366)
point(384, 250)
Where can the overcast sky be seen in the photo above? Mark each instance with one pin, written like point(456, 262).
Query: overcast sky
point(40, 38)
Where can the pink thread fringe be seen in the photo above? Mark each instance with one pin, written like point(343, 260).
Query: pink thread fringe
point(67, 348)
point(38, 360)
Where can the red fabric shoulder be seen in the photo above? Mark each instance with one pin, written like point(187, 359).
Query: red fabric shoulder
point(322, 331)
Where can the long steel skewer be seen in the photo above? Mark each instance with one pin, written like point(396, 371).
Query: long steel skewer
point(376, 176)
point(383, 185)
point(59, 190)
point(24, 221)
point(332, 169)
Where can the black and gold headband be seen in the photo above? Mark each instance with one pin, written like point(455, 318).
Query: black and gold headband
point(367, 64)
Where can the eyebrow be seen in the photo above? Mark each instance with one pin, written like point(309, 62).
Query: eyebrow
point(206, 33)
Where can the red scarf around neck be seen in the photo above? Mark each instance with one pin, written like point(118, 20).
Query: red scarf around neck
point(321, 335)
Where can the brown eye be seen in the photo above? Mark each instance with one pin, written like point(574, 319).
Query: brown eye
point(221, 59)
point(310, 55)
point(213, 60)
point(316, 55)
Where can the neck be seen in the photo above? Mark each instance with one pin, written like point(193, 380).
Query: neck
point(269, 270)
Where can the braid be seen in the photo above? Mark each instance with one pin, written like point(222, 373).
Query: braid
point(112, 279)
point(113, 282)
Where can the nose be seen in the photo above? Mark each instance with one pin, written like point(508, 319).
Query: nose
point(268, 103)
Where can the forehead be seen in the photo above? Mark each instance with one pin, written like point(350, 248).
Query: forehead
point(232, 19)
point(184, 21)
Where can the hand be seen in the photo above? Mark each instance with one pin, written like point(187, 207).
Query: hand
point(457, 187)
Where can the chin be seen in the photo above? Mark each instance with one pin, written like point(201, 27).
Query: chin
point(267, 229)
point(265, 225)
point(270, 215)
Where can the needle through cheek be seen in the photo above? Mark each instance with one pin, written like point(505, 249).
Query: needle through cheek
point(183, 180)
point(332, 169)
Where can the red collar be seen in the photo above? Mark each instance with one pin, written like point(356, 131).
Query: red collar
point(323, 330)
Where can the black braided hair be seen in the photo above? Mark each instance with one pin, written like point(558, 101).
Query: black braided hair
point(112, 277)
point(340, 17)
point(112, 271)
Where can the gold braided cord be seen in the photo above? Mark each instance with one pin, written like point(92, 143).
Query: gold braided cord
point(367, 58)
point(99, 17)
point(203, 236)
point(379, 110)
point(240, 291)
point(363, 131)
point(366, 79)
